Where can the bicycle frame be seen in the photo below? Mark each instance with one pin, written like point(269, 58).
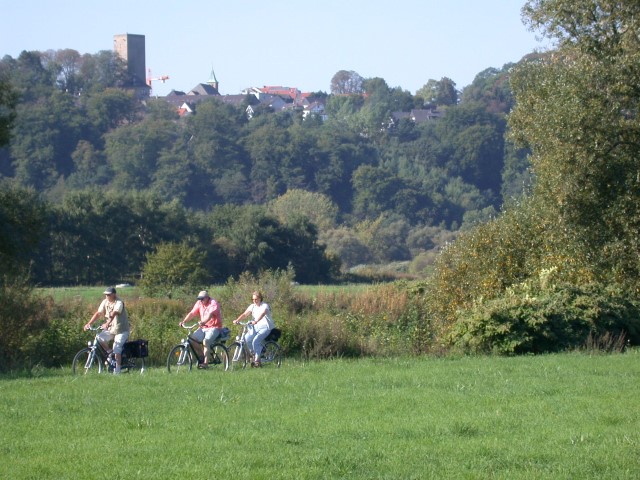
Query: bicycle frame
point(243, 343)
point(182, 354)
point(99, 358)
point(98, 353)
point(241, 354)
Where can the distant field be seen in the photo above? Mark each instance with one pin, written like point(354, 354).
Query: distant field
point(93, 294)
point(554, 417)
point(85, 293)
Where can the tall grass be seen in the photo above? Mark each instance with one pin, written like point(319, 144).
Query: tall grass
point(544, 417)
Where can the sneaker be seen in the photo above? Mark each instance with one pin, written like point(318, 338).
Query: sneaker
point(203, 366)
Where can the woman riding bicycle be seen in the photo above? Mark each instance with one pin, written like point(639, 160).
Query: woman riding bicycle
point(262, 325)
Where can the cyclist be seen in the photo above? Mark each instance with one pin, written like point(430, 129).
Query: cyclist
point(210, 324)
point(115, 327)
point(262, 325)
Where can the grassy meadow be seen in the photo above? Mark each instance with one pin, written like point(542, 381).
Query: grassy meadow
point(560, 416)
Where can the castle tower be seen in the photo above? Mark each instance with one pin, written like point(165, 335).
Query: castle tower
point(131, 48)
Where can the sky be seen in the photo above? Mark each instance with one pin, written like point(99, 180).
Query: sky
point(292, 43)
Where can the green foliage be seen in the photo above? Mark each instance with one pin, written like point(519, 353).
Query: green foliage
point(276, 287)
point(484, 261)
point(356, 163)
point(171, 268)
point(23, 318)
point(346, 82)
point(23, 218)
point(8, 101)
point(316, 207)
point(381, 320)
point(254, 240)
point(346, 244)
point(534, 320)
point(98, 237)
point(491, 88)
point(156, 320)
point(577, 112)
point(438, 92)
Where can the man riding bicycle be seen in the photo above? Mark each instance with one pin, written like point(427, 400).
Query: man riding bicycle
point(210, 324)
point(115, 327)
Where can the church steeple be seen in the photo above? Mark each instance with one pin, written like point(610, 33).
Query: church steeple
point(213, 81)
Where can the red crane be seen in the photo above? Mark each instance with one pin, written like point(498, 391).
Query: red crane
point(150, 79)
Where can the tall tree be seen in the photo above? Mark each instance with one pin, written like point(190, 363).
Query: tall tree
point(23, 217)
point(577, 109)
point(346, 82)
point(438, 92)
point(45, 136)
point(8, 101)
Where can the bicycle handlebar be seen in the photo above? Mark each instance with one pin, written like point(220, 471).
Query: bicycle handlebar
point(190, 327)
point(243, 323)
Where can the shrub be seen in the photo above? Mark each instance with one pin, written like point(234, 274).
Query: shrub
point(276, 287)
point(22, 318)
point(548, 320)
point(380, 320)
point(173, 268)
point(484, 262)
point(156, 320)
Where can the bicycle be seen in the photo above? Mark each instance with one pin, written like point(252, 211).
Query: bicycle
point(94, 359)
point(241, 354)
point(180, 358)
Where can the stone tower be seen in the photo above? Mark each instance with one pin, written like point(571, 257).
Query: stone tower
point(131, 49)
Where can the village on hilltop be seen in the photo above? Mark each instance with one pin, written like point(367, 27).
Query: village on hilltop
point(131, 48)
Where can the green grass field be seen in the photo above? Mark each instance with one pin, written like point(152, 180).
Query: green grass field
point(545, 417)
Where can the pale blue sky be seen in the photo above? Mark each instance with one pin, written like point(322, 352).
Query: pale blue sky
point(294, 43)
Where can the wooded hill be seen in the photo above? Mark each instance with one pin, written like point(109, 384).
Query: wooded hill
point(362, 187)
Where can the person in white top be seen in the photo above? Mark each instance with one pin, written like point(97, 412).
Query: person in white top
point(262, 324)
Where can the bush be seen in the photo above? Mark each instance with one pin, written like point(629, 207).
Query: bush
point(156, 320)
point(484, 262)
point(22, 319)
point(550, 320)
point(173, 269)
point(380, 320)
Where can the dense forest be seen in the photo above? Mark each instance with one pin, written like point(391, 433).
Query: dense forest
point(121, 175)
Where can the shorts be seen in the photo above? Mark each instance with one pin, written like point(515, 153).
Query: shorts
point(118, 340)
point(207, 334)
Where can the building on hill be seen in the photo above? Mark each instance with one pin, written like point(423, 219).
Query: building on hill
point(131, 48)
point(276, 98)
point(417, 115)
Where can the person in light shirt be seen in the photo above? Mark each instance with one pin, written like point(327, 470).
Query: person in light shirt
point(262, 324)
point(210, 324)
point(115, 327)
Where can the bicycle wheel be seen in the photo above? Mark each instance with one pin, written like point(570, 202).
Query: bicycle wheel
point(132, 364)
point(86, 362)
point(219, 357)
point(237, 356)
point(271, 354)
point(179, 359)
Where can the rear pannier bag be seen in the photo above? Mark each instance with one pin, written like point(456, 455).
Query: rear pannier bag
point(136, 348)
